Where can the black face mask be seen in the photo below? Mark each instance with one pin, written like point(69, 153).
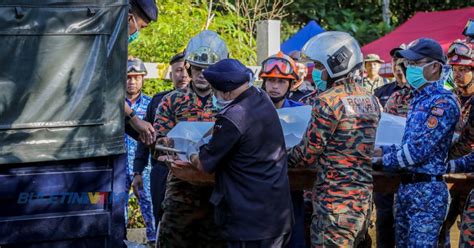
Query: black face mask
point(278, 99)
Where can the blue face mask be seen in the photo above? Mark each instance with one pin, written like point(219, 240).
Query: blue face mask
point(415, 76)
point(320, 84)
point(220, 104)
point(133, 37)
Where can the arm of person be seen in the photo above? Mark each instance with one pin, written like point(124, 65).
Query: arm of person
point(321, 127)
point(145, 130)
point(442, 118)
point(224, 137)
point(462, 165)
point(164, 121)
point(466, 140)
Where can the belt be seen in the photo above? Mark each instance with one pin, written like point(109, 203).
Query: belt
point(420, 178)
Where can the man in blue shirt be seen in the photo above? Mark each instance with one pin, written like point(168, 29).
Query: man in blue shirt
point(139, 102)
point(423, 198)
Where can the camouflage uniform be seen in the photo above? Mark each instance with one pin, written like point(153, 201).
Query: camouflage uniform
point(462, 165)
point(188, 219)
point(146, 209)
point(399, 102)
point(456, 207)
point(421, 206)
point(310, 98)
point(370, 86)
point(340, 140)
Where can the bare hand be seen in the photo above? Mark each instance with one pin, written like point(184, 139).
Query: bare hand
point(145, 130)
point(378, 152)
point(137, 185)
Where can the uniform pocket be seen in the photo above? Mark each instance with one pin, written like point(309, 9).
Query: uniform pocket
point(221, 211)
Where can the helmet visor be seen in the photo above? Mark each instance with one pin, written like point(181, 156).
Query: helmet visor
point(460, 49)
point(280, 64)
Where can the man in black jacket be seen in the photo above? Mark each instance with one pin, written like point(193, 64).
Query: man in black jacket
point(248, 156)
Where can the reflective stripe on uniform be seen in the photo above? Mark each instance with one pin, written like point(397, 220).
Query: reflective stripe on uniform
point(408, 155)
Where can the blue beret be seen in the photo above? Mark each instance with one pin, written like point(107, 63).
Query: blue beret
point(227, 75)
point(145, 8)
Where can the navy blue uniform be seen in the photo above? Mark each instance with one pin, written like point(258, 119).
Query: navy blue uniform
point(422, 202)
point(159, 171)
point(247, 153)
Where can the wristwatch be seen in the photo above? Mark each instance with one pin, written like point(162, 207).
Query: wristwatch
point(130, 117)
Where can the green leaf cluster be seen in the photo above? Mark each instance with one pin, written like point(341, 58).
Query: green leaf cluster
point(178, 22)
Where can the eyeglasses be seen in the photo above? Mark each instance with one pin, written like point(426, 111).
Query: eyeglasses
point(280, 64)
point(460, 49)
point(421, 62)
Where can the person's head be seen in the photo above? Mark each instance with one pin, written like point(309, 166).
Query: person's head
point(301, 66)
point(336, 56)
point(228, 78)
point(141, 12)
point(136, 72)
point(203, 50)
point(460, 57)
point(424, 60)
point(398, 67)
point(372, 64)
point(179, 74)
point(279, 73)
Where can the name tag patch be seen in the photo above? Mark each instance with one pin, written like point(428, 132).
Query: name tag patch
point(359, 105)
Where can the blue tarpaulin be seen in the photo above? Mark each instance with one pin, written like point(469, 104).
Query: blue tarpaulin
point(297, 41)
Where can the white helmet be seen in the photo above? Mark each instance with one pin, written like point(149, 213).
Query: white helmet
point(205, 49)
point(339, 52)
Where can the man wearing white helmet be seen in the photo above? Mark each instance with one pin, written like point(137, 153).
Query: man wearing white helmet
point(188, 216)
point(340, 142)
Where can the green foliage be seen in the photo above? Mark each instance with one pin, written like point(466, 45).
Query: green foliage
point(179, 21)
point(153, 86)
point(135, 218)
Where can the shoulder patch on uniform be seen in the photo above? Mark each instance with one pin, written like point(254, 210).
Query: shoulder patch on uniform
point(432, 122)
point(359, 105)
point(441, 101)
point(437, 111)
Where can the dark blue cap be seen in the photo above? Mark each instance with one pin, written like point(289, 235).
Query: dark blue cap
point(423, 48)
point(145, 8)
point(227, 75)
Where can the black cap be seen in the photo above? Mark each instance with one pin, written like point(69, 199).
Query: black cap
point(179, 57)
point(145, 8)
point(227, 75)
point(423, 48)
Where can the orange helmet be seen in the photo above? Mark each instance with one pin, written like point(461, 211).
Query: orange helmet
point(279, 66)
point(461, 53)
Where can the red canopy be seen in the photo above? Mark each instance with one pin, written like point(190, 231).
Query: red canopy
point(443, 26)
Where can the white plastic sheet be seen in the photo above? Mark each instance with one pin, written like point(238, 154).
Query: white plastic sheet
point(294, 122)
point(189, 136)
point(390, 130)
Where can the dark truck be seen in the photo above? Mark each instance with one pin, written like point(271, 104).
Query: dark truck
point(62, 91)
